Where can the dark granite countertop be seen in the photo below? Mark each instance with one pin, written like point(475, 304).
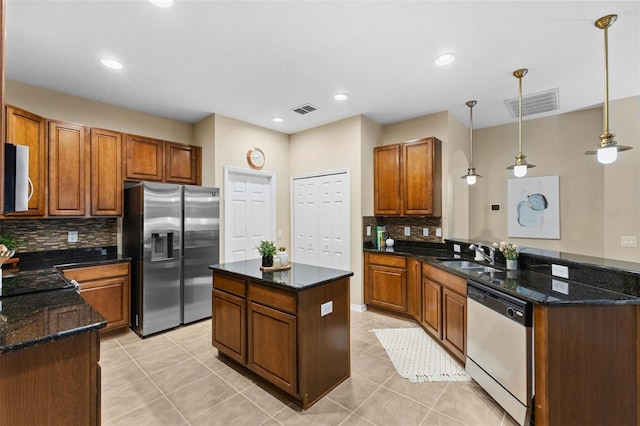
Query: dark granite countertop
point(526, 284)
point(300, 277)
point(37, 318)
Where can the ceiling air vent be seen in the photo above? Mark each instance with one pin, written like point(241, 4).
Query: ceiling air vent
point(304, 109)
point(536, 103)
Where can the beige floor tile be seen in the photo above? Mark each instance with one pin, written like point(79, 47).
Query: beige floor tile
point(128, 397)
point(198, 346)
point(324, 412)
point(237, 410)
point(186, 333)
point(378, 351)
point(268, 400)
point(159, 360)
point(211, 361)
point(114, 356)
point(235, 378)
point(435, 418)
point(108, 343)
point(143, 347)
point(426, 393)
point(271, 422)
point(355, 420)
point(128, 338)
point(179, 375)
point(157, 413)
point(120, 374)
point(201, 396)
point(353, 392)
point(469, 407)
point(388, 408)
point(374, 368)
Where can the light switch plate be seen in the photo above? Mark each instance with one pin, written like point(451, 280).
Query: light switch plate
point(456, 248)
point(407, 231)
point(438, 232)
point(368, 231)
point(560, 271)
point(425, 232)
point(72, 237)
point(326, 308)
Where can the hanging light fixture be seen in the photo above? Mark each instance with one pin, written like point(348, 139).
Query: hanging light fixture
point(608, 148)
point(520, 167)
point(471, 175)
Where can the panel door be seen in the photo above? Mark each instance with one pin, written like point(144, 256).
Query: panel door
point(305, 221)
point(110, 297)
point(229, 325)
point(67, 169)
point(249, 213)
point(431, 307)
point(24, 128)
point(144, 159)
point(106, 173)
point(454, 330)
point(180, 163)
point(417, 177)
point(387, 196)
point(333, 221)
point(388, 287)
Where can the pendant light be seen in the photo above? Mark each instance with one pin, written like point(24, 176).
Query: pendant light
point(520, 166)
point(608, 148)
point(471, 175)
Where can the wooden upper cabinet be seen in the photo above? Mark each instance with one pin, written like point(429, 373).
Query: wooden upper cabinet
point(387, 198)
point(67, 169)
point(421, 187)
point(144, 158)
point(106, 173)
point(407, 178)
point(181, 163)
point(25, 128)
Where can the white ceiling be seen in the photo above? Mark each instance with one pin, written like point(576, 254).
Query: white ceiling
point(255, 60)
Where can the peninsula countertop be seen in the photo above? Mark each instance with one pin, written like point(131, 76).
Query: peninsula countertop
point(299, 277)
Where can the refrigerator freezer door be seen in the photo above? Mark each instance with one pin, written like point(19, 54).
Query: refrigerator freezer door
point(201, 249)
point(161, 304)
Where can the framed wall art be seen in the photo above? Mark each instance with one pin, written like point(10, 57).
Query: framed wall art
point(534, 207)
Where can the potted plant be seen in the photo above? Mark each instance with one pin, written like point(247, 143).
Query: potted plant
point(9, 242)
point(510, 253)
point(267, 250)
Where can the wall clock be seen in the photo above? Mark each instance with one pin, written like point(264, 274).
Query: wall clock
point(255, 158)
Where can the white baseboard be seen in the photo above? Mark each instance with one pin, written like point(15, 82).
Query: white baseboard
point(358, 308)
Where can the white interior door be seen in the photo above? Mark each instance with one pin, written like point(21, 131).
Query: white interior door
point(321, 222)
point(249, 212)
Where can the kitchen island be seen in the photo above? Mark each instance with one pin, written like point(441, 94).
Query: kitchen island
point(289, 329)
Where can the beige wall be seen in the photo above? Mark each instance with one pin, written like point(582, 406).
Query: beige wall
point(205, 137)
point(233, 138)
point(337, 146)
point(60, 106)
point(371, 136)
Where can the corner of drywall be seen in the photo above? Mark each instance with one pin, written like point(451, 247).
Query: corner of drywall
point(204, 137)
point(457, 201)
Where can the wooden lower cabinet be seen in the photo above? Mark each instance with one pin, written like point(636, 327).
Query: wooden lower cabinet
point(454, 322)
point(55, 383)
point(106, 288)
point(386, 281)
point(280, 336)
point(432, 307)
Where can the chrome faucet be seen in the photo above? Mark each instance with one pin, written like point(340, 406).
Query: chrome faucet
point(479, 248)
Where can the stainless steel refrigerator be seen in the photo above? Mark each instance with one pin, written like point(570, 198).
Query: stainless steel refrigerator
point(171, 232)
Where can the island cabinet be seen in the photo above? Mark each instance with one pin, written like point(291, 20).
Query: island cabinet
point(587, 365)
point(295, 340)
point(25, 128)
point(106, 289)
point(444, 309)
point(407, 178)
point(385, 281)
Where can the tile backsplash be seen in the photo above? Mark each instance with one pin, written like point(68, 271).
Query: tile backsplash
point(395, 227)
point(51, 234)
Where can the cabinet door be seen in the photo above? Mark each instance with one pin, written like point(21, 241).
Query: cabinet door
point(110, 297)
point(106, 173)
point(431, 307)
point(67, 169)
point(180, 163)
point(421, 177)
point(454, 330)
point(388, 288)
point(272, 346)
point(414, 280)
point(145, 158)
point(229, 325)
point(24, 128)
point(387, 196)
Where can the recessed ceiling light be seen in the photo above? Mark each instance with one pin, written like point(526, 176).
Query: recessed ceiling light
point(445, 59)
point(111, 63)
point(162, 3)
point(277, 119)
point(341, 97)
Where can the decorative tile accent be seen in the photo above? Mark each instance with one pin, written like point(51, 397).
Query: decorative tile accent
point(395, 227)
point(51, 234)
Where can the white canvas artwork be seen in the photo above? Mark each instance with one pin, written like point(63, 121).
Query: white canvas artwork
point(534, 207)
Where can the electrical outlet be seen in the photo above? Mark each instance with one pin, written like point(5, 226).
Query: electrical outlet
point(560, 271)
point(456, 248)
point(425, 232)
point(438, 232)
point(407, 231)
point(72, 237)
point(368, 231)
point(560, 286)
point(326, 308)
point(279, 233)
point(629, 241)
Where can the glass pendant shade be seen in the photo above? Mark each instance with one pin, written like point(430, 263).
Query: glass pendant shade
point(607, 150)
point(471, 175)
point(471, 179)
point(520, 171)
point(520, 166)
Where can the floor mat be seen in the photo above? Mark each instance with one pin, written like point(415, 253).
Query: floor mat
point(418, 358)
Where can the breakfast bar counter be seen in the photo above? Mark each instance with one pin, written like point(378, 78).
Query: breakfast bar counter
point(289, 329)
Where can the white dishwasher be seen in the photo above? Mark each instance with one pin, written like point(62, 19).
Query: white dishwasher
point(500, 348)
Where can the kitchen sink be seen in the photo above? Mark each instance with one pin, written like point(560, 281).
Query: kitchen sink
point(467, 266)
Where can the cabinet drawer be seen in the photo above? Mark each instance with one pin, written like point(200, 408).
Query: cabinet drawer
point(454, 282)
point(97, 272)
point(231, 285)
point(278, 299)
point(388, 260)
